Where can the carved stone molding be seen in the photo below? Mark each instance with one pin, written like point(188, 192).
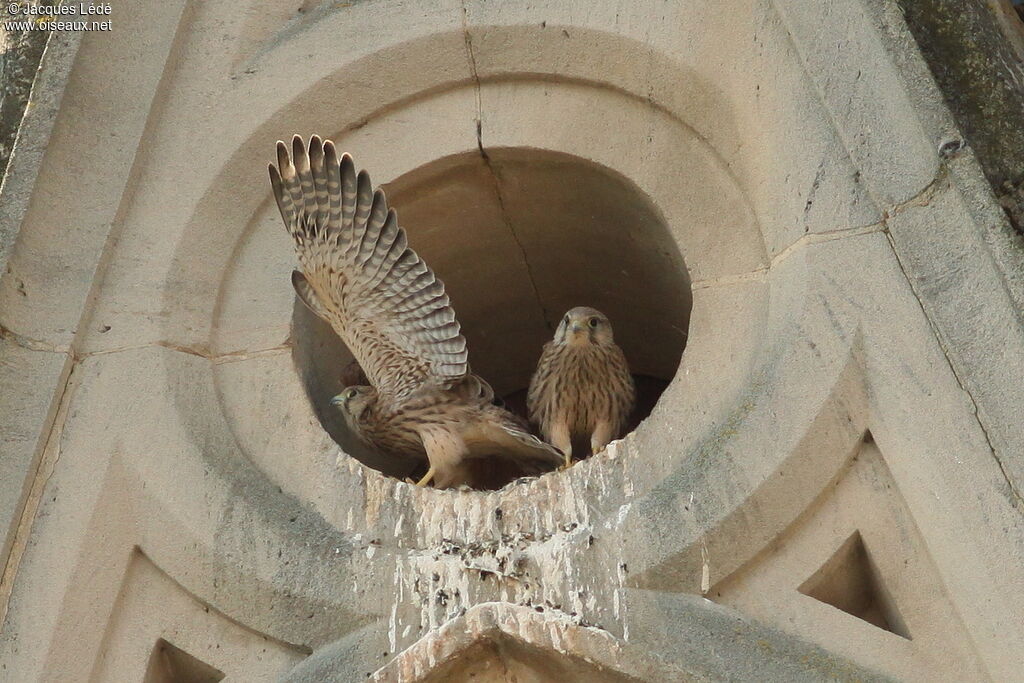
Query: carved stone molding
point(829, 485)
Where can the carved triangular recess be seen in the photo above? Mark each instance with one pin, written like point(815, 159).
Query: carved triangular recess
point(854, 575)
point(849, 581)
point(170, 664)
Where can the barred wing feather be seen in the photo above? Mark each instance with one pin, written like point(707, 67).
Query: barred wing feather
point(359, 274)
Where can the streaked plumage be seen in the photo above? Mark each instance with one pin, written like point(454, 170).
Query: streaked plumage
point(386, 304)
point(582, 388)
point(460, 423)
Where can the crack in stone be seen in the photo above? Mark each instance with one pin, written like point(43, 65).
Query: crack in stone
point(40, 478)
point(804, 241)
point(922, 198)
point(940, 183)
point(198, 351)
point(236, 356)
point(47, 462)
point(29, 343)
point(468, 39)
point(515, 237)
point(1018, 501)
point(728, 280)
point(493, 172)
point(828, 236)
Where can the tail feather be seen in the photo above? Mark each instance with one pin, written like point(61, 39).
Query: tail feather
point(504, 436)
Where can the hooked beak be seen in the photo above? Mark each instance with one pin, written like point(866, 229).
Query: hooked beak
point(338, 400)
point(576, 326)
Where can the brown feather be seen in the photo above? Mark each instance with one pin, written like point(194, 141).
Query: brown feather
point(359, 274)
point(580, 382)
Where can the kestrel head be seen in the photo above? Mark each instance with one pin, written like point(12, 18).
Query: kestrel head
point(353, 401)
point(583, 325)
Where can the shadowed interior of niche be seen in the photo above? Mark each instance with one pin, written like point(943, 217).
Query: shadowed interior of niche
point(849, 581)
point(519, 238)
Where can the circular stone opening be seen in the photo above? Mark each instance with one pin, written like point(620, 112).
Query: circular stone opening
point(519, 237)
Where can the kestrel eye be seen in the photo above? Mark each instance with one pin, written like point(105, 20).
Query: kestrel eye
point(593, 322)
point(565, 320)
point(352, 393)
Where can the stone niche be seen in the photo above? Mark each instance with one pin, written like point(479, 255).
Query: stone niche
point(519, 237)
point(825, 483)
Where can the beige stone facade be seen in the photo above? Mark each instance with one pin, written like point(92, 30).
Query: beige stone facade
point(767, 197)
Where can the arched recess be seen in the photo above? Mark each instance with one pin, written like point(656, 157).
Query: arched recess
point(520, 236)
point(565, 219)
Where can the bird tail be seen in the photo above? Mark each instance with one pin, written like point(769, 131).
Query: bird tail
point(508, 437)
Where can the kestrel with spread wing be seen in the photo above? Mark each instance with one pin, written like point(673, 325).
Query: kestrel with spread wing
point(582, 387)
point(386, 304)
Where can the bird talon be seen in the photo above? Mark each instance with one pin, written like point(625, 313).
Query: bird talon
point(426, 477)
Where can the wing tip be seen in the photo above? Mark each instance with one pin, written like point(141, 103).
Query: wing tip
point(299, 156)
point(330, 153)
point(316, 151)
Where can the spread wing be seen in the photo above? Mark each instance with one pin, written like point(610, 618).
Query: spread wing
point(359, 274)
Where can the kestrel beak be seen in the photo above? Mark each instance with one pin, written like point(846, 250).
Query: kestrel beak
point(576, 326)
point(338, 400)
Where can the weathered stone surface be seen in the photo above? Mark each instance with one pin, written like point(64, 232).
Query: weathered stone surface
point(974, 50)
point(47, 281)
point(20, 52)
point(760, 183)
point(36, 118)
point(956, 276)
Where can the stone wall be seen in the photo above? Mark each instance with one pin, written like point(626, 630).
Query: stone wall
point(771, 200)
point(20, 52)
point(975, 50)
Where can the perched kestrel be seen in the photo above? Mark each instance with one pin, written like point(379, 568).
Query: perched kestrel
point(582, 387)
point(392, 312)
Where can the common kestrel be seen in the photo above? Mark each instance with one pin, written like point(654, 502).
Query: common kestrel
point(386, 304)
point(582, 387)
